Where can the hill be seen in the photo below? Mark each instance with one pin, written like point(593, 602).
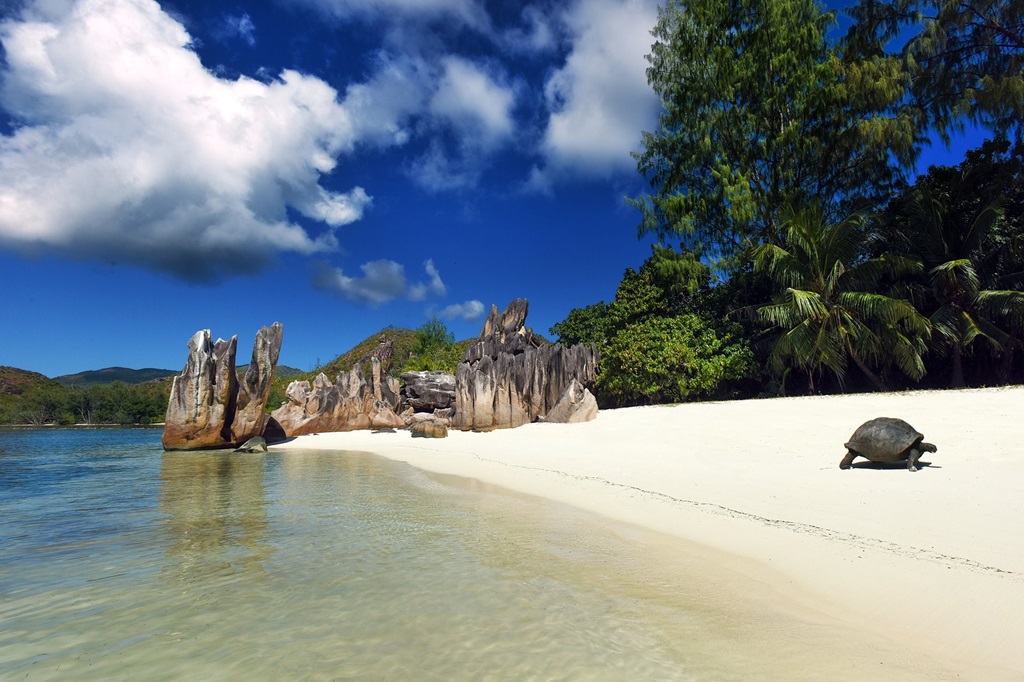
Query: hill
point(14, 381)
point(280, 372)
point(109, 375)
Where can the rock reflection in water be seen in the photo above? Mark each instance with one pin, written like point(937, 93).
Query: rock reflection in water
point(215, 513)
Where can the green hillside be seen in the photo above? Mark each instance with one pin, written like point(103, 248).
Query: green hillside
point(14, 381)
point(109, 375)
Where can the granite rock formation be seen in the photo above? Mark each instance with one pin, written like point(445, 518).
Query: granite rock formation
point(207, 409)
point(576, 405)
point(429, 428)
point(202, 403)
point(254, 387)
point(354, 401)
point(509, 378)
point(428, 391)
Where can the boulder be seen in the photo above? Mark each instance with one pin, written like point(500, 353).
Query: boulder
point(428, 391)
point(509, 378)
point(429, 428)
point(202, 401)
point(356, 400)
point(254, 388)
point(576, 405)
point(257, 444)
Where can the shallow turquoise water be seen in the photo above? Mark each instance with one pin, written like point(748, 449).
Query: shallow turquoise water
point(120, 561)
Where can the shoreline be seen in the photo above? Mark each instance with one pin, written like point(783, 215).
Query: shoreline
point(932, 561)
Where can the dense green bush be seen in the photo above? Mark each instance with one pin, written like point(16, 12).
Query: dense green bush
point(668, 360)
point(434, 349)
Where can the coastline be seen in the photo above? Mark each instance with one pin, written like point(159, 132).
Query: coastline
point(932, 561)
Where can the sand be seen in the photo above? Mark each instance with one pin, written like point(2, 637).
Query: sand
point(932, 560)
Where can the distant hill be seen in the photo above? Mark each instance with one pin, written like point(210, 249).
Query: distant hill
point(282, 371)
point(112, 374)
point(14, 381)
point(99, 377)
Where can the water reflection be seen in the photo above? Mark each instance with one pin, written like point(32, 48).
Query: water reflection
point(215, 514)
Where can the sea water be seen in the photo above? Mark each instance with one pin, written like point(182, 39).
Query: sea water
point(122, 562)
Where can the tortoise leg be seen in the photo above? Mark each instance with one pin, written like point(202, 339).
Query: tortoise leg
point(848, 460)
point(912, 456)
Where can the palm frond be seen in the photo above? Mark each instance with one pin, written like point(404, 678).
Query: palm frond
point(807, 304)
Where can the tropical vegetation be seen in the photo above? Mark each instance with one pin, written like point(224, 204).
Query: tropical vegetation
point(783, 164)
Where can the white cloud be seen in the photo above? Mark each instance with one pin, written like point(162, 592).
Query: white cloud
point(129, 150)
point(474, 101)
point(599, 100)
point(468, 311)
point(468, 12)
point(434, 287)
point(383, 107)
point(470, 118)
point(382, 281)
point(536, 36)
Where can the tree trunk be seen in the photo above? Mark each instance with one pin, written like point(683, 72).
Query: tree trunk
point(872, 377)
point(958, 367)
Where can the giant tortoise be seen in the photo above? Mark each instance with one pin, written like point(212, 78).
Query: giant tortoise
point(886, 439)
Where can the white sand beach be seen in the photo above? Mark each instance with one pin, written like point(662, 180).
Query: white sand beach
point(931, 562)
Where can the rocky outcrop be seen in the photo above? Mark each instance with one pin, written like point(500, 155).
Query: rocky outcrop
point(201, 407)
point(430, 428)
point(207, 408)
point(576, 405)
point(509, 378)
point(254, 387)
point(428, 391)
point(354, 401)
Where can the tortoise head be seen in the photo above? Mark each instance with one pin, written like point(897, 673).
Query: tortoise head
point(927, 447)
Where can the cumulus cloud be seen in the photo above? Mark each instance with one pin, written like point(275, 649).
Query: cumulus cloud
point(476, 101)
point(468, 311)
point(434, 286)
point(535, 36)
point(128, 150)
point(383, 108)
point(382, 281)
point(470, 114)
point(468, 12)
point(599, 99)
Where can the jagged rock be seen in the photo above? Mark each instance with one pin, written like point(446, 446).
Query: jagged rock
point(428, 391)
point(429, 428)
point(257, 444)
point(254, 388)
point(207, 408)
point(576, 405)
point(202, 402)
point(507, 378)
point(355, 401)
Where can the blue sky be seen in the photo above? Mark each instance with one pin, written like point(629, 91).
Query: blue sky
point(335, 165)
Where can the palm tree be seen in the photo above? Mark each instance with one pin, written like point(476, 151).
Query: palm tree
point(948, 233)
point(830, 311)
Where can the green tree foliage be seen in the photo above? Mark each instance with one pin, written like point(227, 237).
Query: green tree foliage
point(830, 311)
point(669, 360)
point(964, 61)
point(434, 349)
point(584, 325)
point(950, 219)
point(115, 403)
point(657, 341)
point(759, 111)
